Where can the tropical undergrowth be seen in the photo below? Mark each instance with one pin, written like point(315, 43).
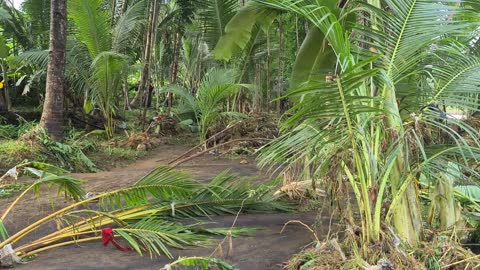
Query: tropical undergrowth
point(207, 106)
point(80, 151)
point(376, 126)
point(151, 216)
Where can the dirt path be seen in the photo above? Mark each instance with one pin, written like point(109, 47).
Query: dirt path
point(265, 249)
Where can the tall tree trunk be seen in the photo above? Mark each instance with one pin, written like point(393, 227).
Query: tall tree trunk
point(144, 84)
point(52, 116)
point(5, 103)
point(114, 9)
point(176, 49)
point(280, 65)
point(258, 86)
point(267, 75)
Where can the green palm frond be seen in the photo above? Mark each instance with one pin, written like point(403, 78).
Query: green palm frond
point(326, 118)
point(215, 14)
point(162, 184)
point(155, 236)
point(205, 263)
point(184, 198)
point(71, 187)
point(4, 15)
point(321, 14)
point(148, 214)
point(412, 25)
point(186, 96)
point(37, 59)
point(241, 28)
point(45, 167)
point(107, 70)
point(217, 85)
point(469, 193)
point(92, 26)
point(67, 185)
point(456, 78)
point(226, 194)
point(128, 26)
point(78, 68)
point(3, 231)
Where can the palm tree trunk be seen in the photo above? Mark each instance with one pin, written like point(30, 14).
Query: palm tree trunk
point(176, 49)
point(140, 97)
point(280, 65)
point(267, 75)
point(52, 116)
point(407, 219)
point(5, 103)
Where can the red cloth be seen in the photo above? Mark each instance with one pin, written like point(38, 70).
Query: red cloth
point(107, 237)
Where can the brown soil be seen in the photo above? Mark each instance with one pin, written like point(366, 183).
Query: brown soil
point(265, 249)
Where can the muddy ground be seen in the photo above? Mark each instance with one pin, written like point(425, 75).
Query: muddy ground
point(265, 249)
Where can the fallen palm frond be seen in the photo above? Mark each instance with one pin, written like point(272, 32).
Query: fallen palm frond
point(205, 263)
point(300, 189)
point(147, 215)
point(177, 162)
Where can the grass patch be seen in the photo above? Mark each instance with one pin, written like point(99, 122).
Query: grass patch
point(13, 152)
point(12, 188)
point(111, 156)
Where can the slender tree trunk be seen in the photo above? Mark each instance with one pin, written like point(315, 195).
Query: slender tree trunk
point(125, 93)
point(258, 86)
point(5, 103)
point(176, 48)
point(124, 6)
point(297, 35)
point(52, 116)
point(280, 65)
point(114, 9)
point(267, 75)
point(143, 86)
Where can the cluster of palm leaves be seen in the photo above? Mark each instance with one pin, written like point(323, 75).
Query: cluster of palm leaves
point(207, 106)
point(97, 58)
point(374, 122)
point(148, 215)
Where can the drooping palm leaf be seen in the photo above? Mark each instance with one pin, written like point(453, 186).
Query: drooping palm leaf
point(128, 27)
point(92, 25)
point(215, 14)
point(239, 30)
point(155, 236)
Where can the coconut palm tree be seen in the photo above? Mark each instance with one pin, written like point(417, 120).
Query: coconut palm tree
point(361, 124)
point(99, 49)
point(52, 115)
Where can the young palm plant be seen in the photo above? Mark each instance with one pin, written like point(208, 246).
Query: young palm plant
point(207, 106)
point(357, 121)
point(102, 45)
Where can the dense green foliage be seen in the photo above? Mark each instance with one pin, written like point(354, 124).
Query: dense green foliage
point(379, 96)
